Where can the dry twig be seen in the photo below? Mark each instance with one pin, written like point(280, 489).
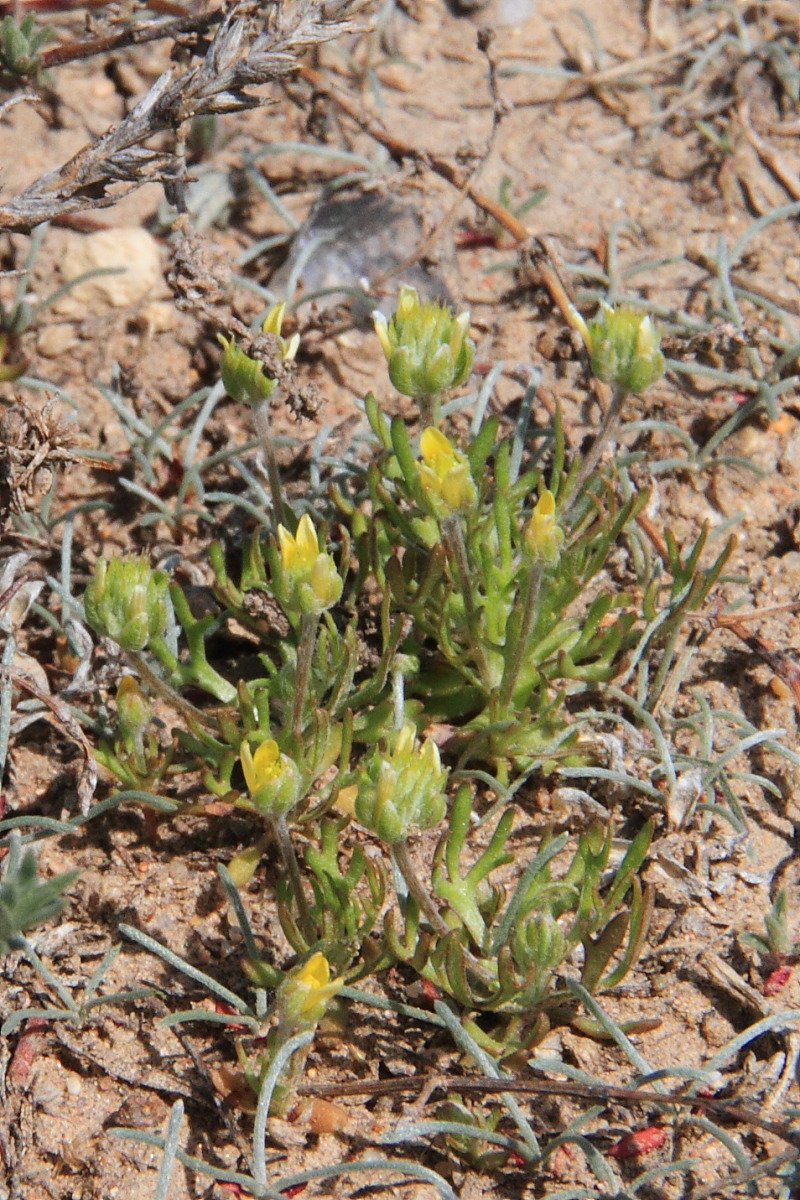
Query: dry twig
point(251, 47)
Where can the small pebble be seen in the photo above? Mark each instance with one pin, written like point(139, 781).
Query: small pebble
point(132, 253)
point(55, 340)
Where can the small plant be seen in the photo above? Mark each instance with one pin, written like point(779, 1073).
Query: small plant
point(19, 47)
point(776, 947)
point(434, 628)
point(26, 900)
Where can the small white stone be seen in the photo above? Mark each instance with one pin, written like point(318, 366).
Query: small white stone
point(133, 252)
point(55, 340)
point(74, 1085)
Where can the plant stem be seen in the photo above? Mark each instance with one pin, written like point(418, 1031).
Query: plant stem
point(453, 538)
point(427, 906)
point(424, 901)
point(261, 423)
point(163, 689)
point(516, 657)
point(305, 654)
point(286, 849)
point(430, 410)
point(605, 433)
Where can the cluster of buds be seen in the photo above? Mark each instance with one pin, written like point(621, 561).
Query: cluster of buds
point(273, 779)
point(126, 600)
point(624, 347)
point(401, 790)
point(427, 348)
point(542, 536)
point(243, 377)
point(445, 475)
point(310, 582)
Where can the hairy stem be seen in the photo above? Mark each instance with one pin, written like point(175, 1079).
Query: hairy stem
point(453, 538)
point(289, 858)
point(423, 898)
point(604, 435)
point(163, 689)
point(261, 423)
point(517, 652)
point(305, 655)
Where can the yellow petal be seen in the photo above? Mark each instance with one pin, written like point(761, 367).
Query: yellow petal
point(246, 759)
point(273, 321)
point(436, 450)
point(306, 541)
point(316, 972)
point(288, 548)
point(266, 763)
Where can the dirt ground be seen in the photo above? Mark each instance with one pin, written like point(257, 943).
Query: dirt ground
point(646, 152)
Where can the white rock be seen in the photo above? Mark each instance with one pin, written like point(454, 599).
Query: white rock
point(55, 340)
point(133, 251)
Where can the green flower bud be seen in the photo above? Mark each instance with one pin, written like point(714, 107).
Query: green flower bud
point(243, 378)
point(402, 790)
point(134, 710)
point(273, 779)
point(311, 582)
point(427, 348)
point(624, 347)
point(542, 537)
point(126, 600)
point(445, 475)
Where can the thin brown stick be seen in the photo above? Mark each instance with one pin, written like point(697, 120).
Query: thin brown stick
point(546, 1087)
point(133, 35)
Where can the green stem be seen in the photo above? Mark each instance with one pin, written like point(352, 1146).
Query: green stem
point(424, 901)
point(516, 653)
point(286, 849)
point(430, 409)
point(163, 689)
point(426, 905)
point(453, 538)
point(605, 433)
point(261, 422)
point(305, 655)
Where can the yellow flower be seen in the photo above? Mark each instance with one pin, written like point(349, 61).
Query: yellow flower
point(311, 583)
point(299, 551)
point(543, 537)
point(444, 473)
point(273, 779)
point(305, 995)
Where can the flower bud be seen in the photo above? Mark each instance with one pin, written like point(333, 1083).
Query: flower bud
point(624, 347)
point(311, 583)
point(273, 779)
point(134, 710)
point(242, 377)
point(543, 538)
point(126, 600)
point(303, 997)
point(427, 348)
point(401, 790)
point(445, 475)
